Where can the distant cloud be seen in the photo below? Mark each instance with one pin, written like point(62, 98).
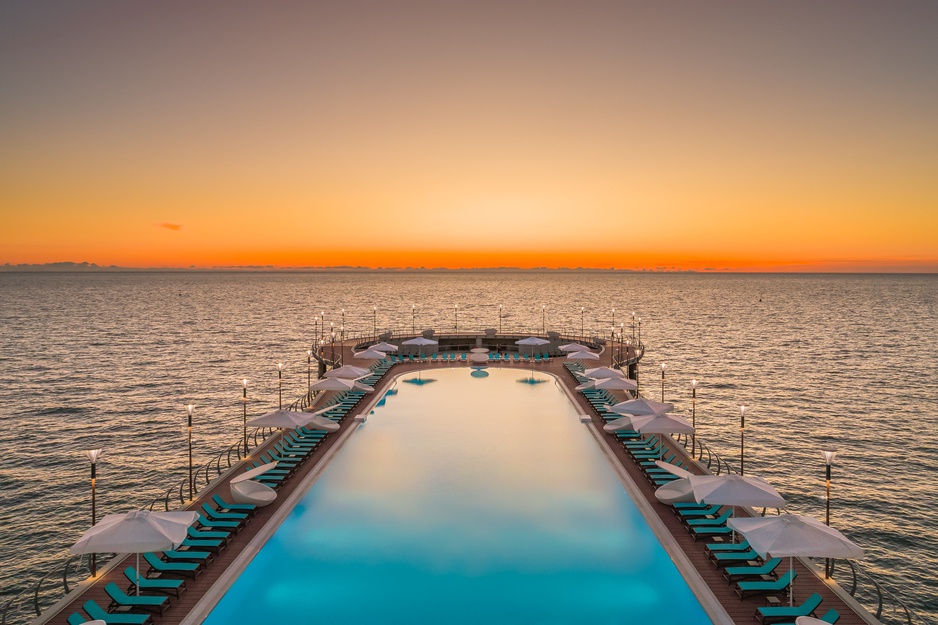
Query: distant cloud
point(171, 226)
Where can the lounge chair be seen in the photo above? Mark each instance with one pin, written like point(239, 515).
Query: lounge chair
point(762, 571)
point(185, 569)
point(748, 588)
point(120, 599)
point(233, 507)
point(76, 619)
point(215, 545)
point(724, 547)
point(160, 584)
point(98, 613)
point(187, 555)
point(774, 614)
point(732, 558)
point(208, 534)
point(217, 515)
point(710, 522)
point(831, 616)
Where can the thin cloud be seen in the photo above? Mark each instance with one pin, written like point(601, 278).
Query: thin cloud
point(175, 227)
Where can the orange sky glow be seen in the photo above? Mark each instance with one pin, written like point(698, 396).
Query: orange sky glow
point(732, 136)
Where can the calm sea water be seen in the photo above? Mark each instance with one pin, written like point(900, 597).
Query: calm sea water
point(110, 360)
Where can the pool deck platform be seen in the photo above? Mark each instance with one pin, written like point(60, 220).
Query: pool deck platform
point(738, 611)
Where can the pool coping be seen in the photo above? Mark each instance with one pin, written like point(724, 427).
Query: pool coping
point(201, 610)
point(708, 601)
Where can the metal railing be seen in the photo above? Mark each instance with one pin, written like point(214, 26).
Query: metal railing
point(30, 602)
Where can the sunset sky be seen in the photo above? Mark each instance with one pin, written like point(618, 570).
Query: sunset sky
point(708, 135)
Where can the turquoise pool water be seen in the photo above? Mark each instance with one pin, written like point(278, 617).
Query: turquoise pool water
point(468, 499)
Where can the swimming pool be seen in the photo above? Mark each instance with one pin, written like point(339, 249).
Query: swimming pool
point(466, 499)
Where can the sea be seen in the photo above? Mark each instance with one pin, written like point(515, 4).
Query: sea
point(110, 360)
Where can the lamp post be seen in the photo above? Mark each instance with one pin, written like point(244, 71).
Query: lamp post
point(499, 318)
point(581, 321)
point(742, 439)
point(333, 349)
point(322, 323)
point(633, 325)
point(309, 362)
point(613, 321)
point(245, 421)
point(93, 455)
point(693, 417)
point(189, 409)
point(374, 321)
point(639, 330)
point(413, 318)
point(663, 367)
point(343, 324)
point(829, 453)
point(280, 384)
point(456, 315)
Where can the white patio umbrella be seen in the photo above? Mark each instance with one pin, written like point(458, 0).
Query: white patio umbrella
point(370, 354)
point(339, 384)
point(793, 535)
point(532, 342)
point(640, 407)
point(420, 342)
point(625, 423)
point(604, 372)
point(582, 356)
point(735, 490)
point(348, 372)
point(661, 423)
point(573, 347)
point(619, 384)
point(293, 419)
point(384, 347)
point(138, 531)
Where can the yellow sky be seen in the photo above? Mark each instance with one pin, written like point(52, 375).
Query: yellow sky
point(742, 136)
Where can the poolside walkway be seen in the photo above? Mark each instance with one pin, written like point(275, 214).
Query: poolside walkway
point(740, 611)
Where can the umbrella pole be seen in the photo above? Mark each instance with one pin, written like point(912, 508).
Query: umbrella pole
point(791, 585)
point(137, 570)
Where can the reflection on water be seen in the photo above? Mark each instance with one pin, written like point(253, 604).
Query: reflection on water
point(467, 489)
point(111, 360)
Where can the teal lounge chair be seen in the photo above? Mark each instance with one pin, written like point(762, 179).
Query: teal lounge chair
point(733, 558)
point(120, 599)
point(831, 616)
point(233, 507)
point(747, 588)
point(714, 547)
point(761, 571)
point(710, 522)
point(186, 555)
point(184, 569)
point(215, 545)
point(96, 612)
point(774, 614)
point(76, 619)
point(208, 535)
point(163, 585)
point(222, 516)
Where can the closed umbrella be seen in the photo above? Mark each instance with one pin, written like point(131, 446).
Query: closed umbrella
point(138, 531)
point(793, 535)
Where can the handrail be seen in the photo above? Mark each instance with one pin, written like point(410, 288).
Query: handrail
point(33, 597)
point(856, 590)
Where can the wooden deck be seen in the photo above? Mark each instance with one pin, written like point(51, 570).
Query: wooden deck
point(740, 611)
